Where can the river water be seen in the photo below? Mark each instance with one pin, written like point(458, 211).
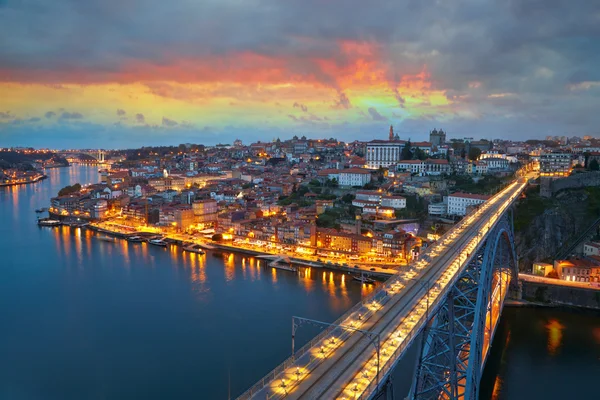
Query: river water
point(82, 318)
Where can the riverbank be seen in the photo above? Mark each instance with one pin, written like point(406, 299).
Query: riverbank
point(34, 179)
point(182, 240)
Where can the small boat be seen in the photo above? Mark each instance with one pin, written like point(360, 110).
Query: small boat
point(135, 239)
point(158, 242)
point(363, 279)
point(41, 210)
point(106, 238)
point(193, 248)
point(285, 267)
point(48, 222)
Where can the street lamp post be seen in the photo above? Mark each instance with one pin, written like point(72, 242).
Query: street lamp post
point(374, 338)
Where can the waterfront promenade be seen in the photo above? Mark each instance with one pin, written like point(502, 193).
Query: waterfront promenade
point(372, 268)
point(23, 181)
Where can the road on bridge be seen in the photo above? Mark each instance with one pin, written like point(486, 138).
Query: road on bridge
point(346, 366)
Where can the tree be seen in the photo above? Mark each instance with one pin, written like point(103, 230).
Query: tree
point(69, 189)
point(594, 165)
point(347, 198)
point(474, 153)
point(462, 153)
point(406, 151)
point(420, 154)
point(586, 156)
point(217, 237)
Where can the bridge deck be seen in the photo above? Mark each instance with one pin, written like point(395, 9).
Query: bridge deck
point(347, 366)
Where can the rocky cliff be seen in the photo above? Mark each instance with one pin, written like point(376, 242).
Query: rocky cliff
point(543, 226)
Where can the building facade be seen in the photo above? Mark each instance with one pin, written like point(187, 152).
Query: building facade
point(458, 202)
point(555, 164)
point(383, 153)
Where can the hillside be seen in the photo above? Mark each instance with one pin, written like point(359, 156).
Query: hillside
point(543, 226)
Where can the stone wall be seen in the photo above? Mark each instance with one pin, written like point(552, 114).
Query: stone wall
point(576, 181)
point(560, 295)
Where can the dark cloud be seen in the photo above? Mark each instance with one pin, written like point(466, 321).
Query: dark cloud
point(50, 114)
point(545, 52)
point(301, 106)
point(71, 115)
point(121, 112)
point(139, 118)
point(375, 115)
point(169, 122)
point(343, 102)
point(6, 115)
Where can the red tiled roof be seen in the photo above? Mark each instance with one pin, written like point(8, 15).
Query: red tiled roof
point(470, 196)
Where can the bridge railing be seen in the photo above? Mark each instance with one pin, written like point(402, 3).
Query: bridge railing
point(381, 290)
point(435, 304)
point(290, 361)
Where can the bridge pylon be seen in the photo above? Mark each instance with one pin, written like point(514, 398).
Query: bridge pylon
point(456, 342)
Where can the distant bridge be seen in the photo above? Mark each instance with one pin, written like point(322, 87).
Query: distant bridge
point(92, 156)
point(451, 298)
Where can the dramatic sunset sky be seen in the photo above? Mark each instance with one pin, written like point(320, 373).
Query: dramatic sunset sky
point(122, 73)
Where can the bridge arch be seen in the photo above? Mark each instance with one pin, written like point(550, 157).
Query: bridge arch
point(455, 344)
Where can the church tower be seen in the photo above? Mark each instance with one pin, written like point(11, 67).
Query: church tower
point(391, 132)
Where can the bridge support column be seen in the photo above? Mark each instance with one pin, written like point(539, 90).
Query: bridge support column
point(460, 334)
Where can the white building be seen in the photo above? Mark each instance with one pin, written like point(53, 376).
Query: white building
point(495, 163)
point(412, 166)
point(458, 202)
point(369, 195)
point(591, 249)
point(438, 209)
point(395, 202)
point(437, 166)
point(354, 177)
point(383, 153)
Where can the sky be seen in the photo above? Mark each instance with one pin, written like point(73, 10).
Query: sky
point(129, 73)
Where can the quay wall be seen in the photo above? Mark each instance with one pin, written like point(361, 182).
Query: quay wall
point(576, 181)
point(560, 295)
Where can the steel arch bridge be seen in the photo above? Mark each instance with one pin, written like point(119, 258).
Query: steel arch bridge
point(449, 301)
point(456, 342)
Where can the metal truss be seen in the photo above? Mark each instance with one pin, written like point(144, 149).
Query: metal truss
point(454, 343)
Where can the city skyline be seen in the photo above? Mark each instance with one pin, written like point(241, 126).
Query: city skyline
point(148, 73)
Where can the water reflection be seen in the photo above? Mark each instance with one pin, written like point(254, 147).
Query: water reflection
point(555, 335)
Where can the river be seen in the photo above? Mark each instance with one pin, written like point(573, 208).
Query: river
point(82, 318)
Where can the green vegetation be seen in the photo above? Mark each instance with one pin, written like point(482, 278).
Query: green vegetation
point(415, 208)
point(594, 165)
point(474, 153)
point(486, 185)
point(406, 151)
point(529, 208)
point(331, 218)
point(593, 193)
point(347, 198)
point(297, 197)
point(69, 189)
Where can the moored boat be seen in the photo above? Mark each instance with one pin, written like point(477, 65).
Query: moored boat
point(363, 279)
point(283, 266)
point(135, 239)
point(193, 248)
point(106, 238)
point(158, 242)
point(48, 222)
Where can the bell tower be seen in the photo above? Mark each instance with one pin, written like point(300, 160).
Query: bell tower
point(391, 132)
